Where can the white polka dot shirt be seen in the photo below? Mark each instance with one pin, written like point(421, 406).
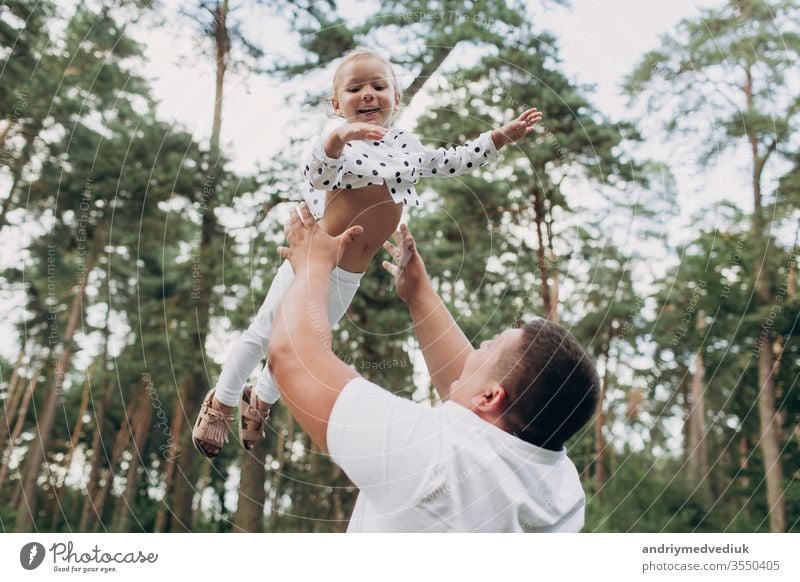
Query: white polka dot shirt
point(399, 160)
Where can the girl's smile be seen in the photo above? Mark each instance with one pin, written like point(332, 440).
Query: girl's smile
point(363, 92)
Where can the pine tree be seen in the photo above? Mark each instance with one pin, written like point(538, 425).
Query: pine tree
point(740, 55)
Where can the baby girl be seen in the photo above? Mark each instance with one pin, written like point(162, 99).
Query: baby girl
point(362, 173)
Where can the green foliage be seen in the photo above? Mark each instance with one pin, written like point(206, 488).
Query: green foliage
point(125, 193)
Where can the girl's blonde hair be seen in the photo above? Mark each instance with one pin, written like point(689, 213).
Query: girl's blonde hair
point(361, 52)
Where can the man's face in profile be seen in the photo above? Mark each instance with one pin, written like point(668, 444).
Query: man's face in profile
point(481, 372)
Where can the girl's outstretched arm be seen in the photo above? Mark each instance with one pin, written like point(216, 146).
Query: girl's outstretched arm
point(459, 160)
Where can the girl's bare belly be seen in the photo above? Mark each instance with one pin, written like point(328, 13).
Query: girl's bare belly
point(372, 208)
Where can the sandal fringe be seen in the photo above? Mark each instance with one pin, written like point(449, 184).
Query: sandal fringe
point(211, 427)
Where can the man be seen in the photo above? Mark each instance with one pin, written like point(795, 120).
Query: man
point(491, 458)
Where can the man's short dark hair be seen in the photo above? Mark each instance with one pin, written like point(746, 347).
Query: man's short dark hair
point(551, 384)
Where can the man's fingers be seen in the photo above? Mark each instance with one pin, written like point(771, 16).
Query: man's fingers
point(393, 269)
point(352, 233)
point(391, 249)
point(408, 239)
point(398, 237)
point(305, 214)
point(284, 252)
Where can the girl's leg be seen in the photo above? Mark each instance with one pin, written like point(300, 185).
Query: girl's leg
point(251, 347)
point(343, 287)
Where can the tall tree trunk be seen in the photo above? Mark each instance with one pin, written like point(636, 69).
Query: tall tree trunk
point(139, 429)
point(552, 259)
point(26, 512)
point(186, 470)
point(12, 381)
point(769, 441)
point(743, 453)
point(11, 400)
point(77, 431)
point(252, 494)
point(202, 482)
point(20, 421)
point(599, 423)
point(120, 446)
point(538, 209)
point(98, 453)
point(176, 429)
point(98, 445)
point(276, 490)
point(554, 275)
point(769, 422)
point(791, 291)
point(187, 463)
point(685, 400)
point(697, 447)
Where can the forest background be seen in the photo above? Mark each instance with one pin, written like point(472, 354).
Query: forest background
point(148, 155)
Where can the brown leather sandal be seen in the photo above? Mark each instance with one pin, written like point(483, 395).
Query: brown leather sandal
point(210, 428)
point(253, 422)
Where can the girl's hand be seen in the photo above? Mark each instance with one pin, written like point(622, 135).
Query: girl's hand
point(361, 130)
point(517, 129)
point(351, 132)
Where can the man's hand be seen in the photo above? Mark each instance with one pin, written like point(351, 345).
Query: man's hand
point(408, 269)
point(334, 143)
point(444, 346)
point(516, 129)
point(309, 245)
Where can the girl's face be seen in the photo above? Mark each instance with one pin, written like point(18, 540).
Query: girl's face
point(363, 91)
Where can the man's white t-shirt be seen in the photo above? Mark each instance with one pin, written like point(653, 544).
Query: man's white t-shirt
point(445, 469)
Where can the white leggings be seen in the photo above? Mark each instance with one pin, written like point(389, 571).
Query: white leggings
point(252, 345)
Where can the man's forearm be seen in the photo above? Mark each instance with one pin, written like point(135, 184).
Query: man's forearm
point(302, 317)
point(309, 375)
point(444, 346)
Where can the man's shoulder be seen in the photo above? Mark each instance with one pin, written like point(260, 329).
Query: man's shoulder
point(362, 398)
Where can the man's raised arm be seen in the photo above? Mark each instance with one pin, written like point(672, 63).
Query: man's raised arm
point(309, 375)
point(444, 346)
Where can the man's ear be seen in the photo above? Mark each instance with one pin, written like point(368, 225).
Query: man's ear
point(492, 400)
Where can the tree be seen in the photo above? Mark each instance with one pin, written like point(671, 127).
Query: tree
point(727, 71)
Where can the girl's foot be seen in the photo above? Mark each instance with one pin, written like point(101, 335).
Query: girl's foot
point(211, 428)
point(254, 417)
